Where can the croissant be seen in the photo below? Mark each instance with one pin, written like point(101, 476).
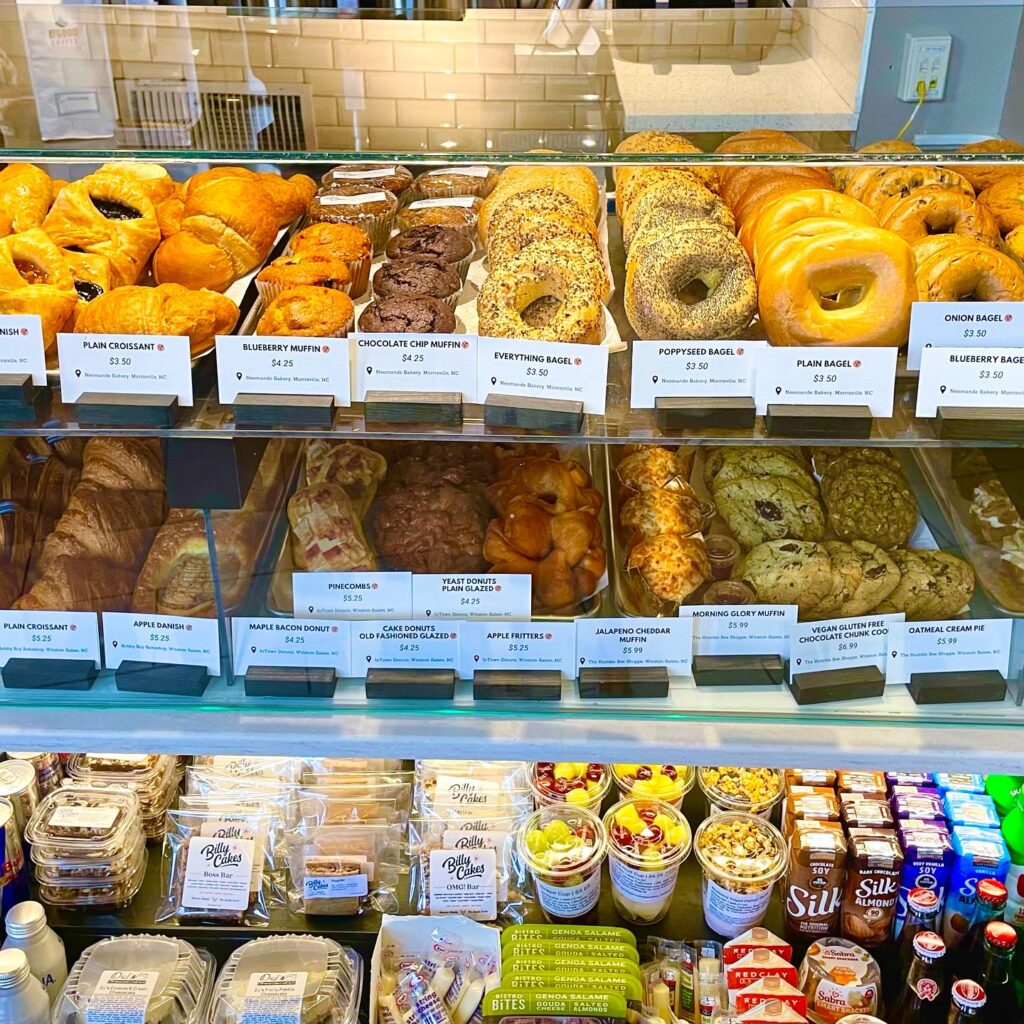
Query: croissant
point(166, 309)
point(53, 306)
point(289, 196)
point(169, 212)
point(123, 463)
point(57, 484)
point(228, 227)
point(25, 195)
point(72, 585)
point(151, 178)
point(109, 214)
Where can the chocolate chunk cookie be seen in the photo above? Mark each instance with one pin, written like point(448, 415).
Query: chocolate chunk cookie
point(915, 595)
point(716, 457)
point(787, 572)
point(847, 576)
point(954, 582)
point(760, 463)
point(831, 458)
point(758, 510)
point(879, 579)
point(872, 502)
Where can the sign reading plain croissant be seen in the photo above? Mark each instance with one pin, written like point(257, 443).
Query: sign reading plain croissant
point(73, 635)
point(125, 364)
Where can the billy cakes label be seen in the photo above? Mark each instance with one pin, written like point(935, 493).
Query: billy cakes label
point(218, 873)
point(464, 881)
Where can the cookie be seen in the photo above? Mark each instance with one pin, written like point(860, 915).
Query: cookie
point(787, 572)
point(834, 458)
point(716, 457)
point(916, 594)
point(954, 582)
point(871, 502)
point(879, 579)
point(847, 576)
point(762, 464)
point(758, 510)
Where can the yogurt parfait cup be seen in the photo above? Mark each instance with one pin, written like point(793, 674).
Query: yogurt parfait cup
point(668, 782)
point(730, 788)
point(572, 782)
point(741, 858)
point(564, 846)
point(647, 842)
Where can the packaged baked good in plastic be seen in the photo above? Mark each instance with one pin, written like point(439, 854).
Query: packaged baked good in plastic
point(315, 766)
point(492, 787)
point(281, 769)
point(84, 822)
point(324, 807)
point(313, 979)
point(221, 867)
point(467, 866)
point(152, 978)
point(344, 869)
point(116, 891)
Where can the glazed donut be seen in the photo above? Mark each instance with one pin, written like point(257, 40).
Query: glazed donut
point(660, 142)
point(788, 209)
point(510, 290)
point(630, 188)
point(967, 272)
point(1005, 201)
point(933, 210)
point(852, 286)
point(693, 202)
point(981, 176)
point(541, 203)
point(842, 173)
point(689, 281)
point(873, 185)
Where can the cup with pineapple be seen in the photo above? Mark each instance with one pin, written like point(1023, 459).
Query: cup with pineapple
point(572, 782)
point(668, 782)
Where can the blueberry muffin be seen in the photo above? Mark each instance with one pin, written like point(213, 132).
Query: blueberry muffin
point(761, 509)
point(787, 572)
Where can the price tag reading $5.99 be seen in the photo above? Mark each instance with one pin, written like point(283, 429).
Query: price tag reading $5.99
point(625, 643)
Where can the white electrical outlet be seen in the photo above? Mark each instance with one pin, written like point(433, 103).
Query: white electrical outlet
point(925, 59)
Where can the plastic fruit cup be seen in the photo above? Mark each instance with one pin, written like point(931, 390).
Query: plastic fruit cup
point(572, 782)
point(564, 847)
point(741, 856)
point(752, 790)
point(668, 782)
point(647, 841)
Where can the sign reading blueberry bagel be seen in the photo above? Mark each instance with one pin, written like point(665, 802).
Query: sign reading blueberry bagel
point(970, 378)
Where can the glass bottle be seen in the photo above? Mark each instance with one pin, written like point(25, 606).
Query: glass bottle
point(990, 906)
point(923, 998)
point(923, 915)
point(968, 1004)
point(996, 974)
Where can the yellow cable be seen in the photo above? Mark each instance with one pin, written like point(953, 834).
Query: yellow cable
point(922, 91)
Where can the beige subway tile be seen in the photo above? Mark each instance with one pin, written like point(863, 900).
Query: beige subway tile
point(641, 33)
point(425, 57)
point(453, 31)
point(395, 84)
point(278, 74)
point(386, 28)
point(272, 26)
point(369, 56)
point(730, 54)
point(300, 52)
point(544, 115)
point(668, 54)
point(715, 33)
point(497, 115)
point(200, 45)
point(426, 113)
point(152, 69)
point(332, 28)
point(540, 62)
point(219, 73)
point(467, 86)
point(340, 139)
point(333, 82)
point(588, 88)
point(686, 33)
point(456, 140)
point(600, 63)
point(486, 59)
point(593, 115)
point(325, 111)
point(370, 112)
point(210, 18)
point(531, 31)
point(406, 139)
point(128, 42)
point(147, 16)
point(513, 87)
point(755, 33)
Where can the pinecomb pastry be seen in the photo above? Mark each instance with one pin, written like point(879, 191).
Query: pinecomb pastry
point(327, 535)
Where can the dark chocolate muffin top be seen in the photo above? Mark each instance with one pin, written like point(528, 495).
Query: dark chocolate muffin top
point(434, 240)
point(416, 275)
point(414, 314)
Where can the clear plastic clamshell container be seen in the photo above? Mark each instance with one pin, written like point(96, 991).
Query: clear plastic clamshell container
point(94, 892)
point(56, 870)
point(177, 976)
point(325, 980)
point(83, 822)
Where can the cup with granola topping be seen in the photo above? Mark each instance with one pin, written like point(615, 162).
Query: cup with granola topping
point(731, 788)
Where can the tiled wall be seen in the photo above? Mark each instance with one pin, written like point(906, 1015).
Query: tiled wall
point(501, 80)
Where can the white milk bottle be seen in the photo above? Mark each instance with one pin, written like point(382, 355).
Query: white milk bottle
point(28, 931)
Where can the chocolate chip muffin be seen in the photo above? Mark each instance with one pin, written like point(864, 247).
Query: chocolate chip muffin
point(436, 242)
point(417, 275)
point(417, 314)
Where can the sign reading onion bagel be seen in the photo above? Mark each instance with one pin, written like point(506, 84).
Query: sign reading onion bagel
point(963, 325)
point(826, 376)
point(692, 369)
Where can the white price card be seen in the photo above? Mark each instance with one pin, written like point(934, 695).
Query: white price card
point(952, 645)
point(165, 639)
point(352, 595)
point(826, 376)
point(843, 643)
point(21, 346)
point(529, 647)
point(977, 378)
point(283, 366)
point(414, 362)
point(741, 628)
point(125, 364)
point(626, 643)
point(476, 596)
point(274, 997)
point(538, 369)
point(298, 643)
point(464, 882)
point(692, 369)
point(378, 644)
point(74, 635)
point(963, 325)
point(121, 997)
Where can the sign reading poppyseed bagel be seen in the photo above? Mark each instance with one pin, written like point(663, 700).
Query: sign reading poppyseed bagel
point(964, 325)
point(692, 369)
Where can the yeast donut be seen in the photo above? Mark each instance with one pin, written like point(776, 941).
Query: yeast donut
point(874, 185)
point(852, 286)
point(572, 305)
point(778, 214)
point(933, 210)
point(981, 176)
point(689, 281)
point(970, 272)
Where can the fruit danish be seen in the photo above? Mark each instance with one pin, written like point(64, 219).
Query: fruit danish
point(25, 195)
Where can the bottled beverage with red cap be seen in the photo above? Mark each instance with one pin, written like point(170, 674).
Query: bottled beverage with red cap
point(923, 913)
point(996, 972)
point(968, 1002)
point(924, 997)
point(990, 905)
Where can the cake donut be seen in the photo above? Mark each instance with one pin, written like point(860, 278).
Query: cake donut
point(933, 210)
point(851, 286)
point(970, 271)
point(692, 280)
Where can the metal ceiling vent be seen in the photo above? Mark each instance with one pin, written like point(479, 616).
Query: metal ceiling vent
point(215, 116)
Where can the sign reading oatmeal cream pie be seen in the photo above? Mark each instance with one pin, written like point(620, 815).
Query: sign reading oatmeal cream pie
point(826, 376)
point(283, 366)
point(352, 595)
point(963, 325)
point(977, 378)
point(476, 596)
point(692, 369)
point(954, 645)
point(378, 644)
point(541, 369)
point(414, 362)
point(302, 643)
point(741, 628)
point(74, 635)
point(165, 639)
point(21, 347)
point(625, 643)
point(125, 364)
